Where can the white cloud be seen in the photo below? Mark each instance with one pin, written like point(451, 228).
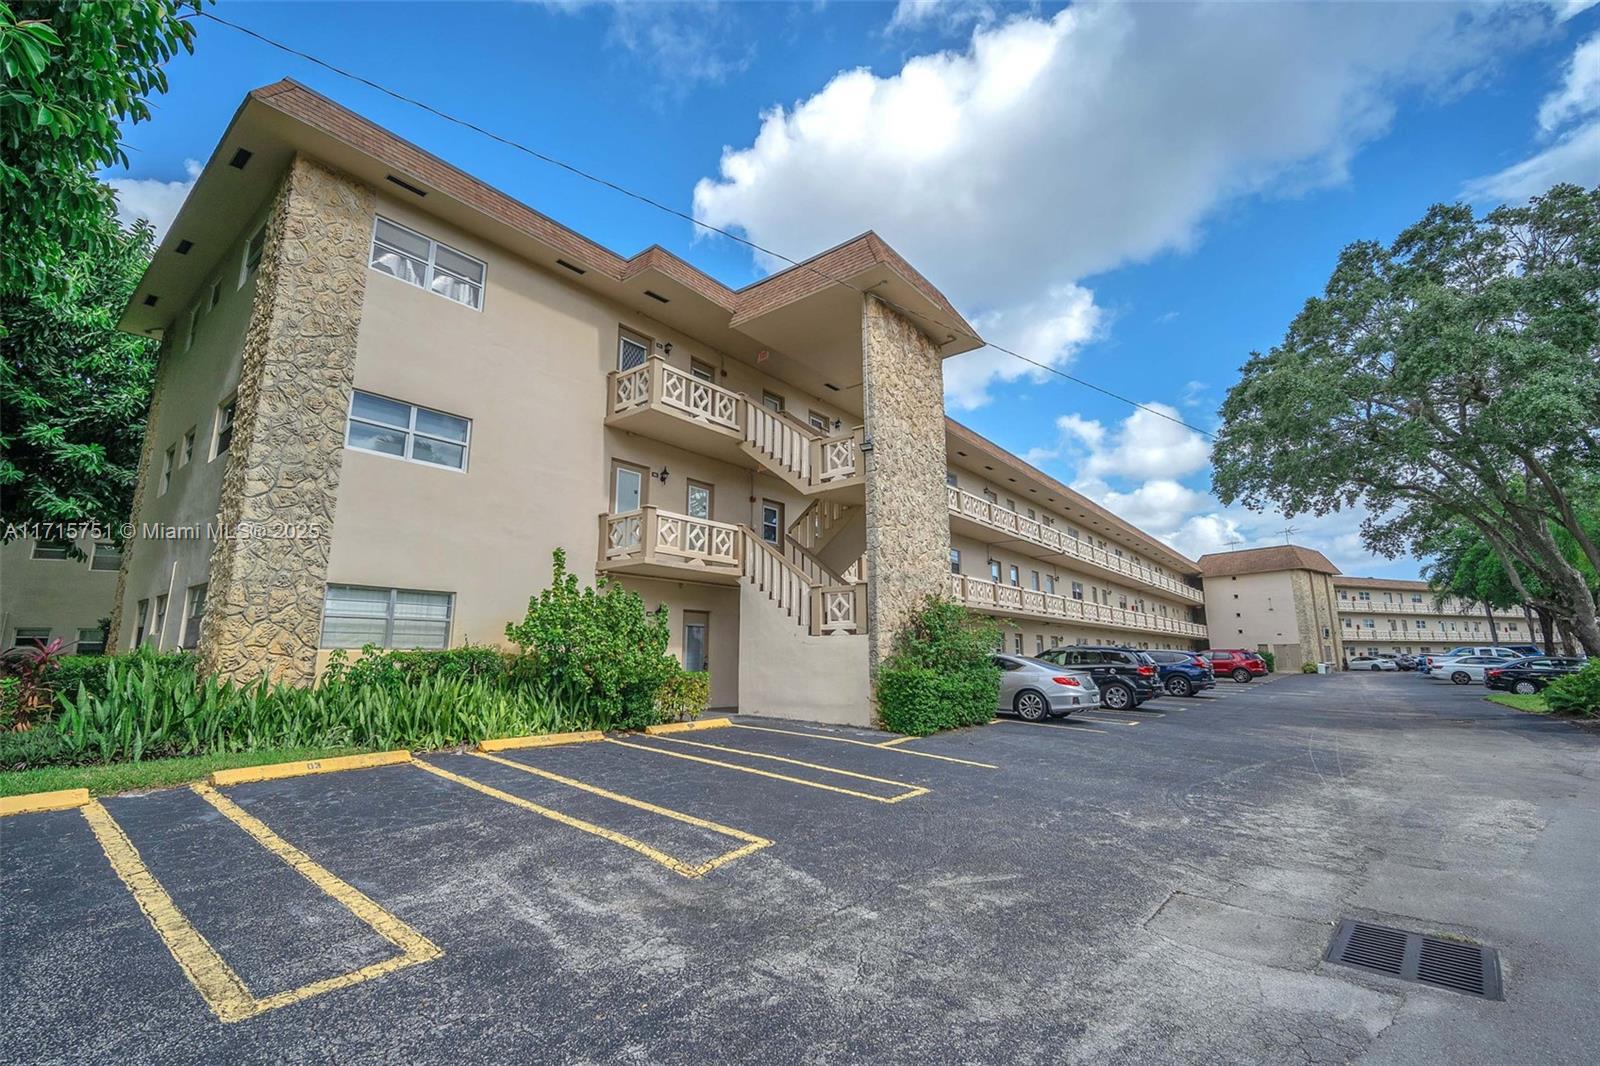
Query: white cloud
point(947, 15)
point(1580, 89)
point(153, 199)
point(683, 43)
point(1144, 446)
point(1049, 150)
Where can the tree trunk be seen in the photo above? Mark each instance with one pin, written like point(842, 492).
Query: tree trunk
point(1566, 638)
point(1494, 628)
point(1527, 613)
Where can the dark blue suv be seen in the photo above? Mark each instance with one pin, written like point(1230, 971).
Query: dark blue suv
point(1183, 673)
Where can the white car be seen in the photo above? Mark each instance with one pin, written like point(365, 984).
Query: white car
point(1465, 669)
point(1369, 662)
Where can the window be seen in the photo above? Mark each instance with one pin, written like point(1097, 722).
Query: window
point(1033, 576)
point(107, 556)
point(632, 350)
point(1122, 600)
point(696, 628)
point(772, 522)
point(1055, 642)
point(1011, 505)
point(167, 462)
point(406, 431)
point(955, 560)
point(1364, 596)
point(354, 616)
point(253, 249)
point(53, 550)
point(1016, 643)
point(1038, 645)
point(1016, 576)
point(194, 616)
point(186, 452)
point(427, 264)
point(141, 624)
point(819, 421)
point(771, 401)
point(1050, 584)
point(950, 478)
point(627, 489)
point(1416, 597)
point(1422, 623)
point(1077, 590)
point(1366, 623)
point(703, 371)
point(989, 495)
point(699, 500)
point(994, 570)
point(29, 636)
point(158, 627)
point(222, 439)
point(194, 321)
point(91, 641)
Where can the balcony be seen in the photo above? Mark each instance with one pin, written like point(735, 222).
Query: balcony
point(661, 402)
point(1359, 636)
point(651, 542)
point(979, 517)
point(992, 597)
point(1399, 607)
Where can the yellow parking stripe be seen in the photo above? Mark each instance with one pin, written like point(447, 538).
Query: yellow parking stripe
point(891, 744)
point(222, 989)
point(791, 762)
point(913, 792)
point(1048, 725)
point(654, 854)
point(754, 842)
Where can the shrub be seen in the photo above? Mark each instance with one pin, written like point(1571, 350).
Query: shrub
point(90, 671)
point(598, 643)
point(10, 701)
point(375, 666)
point(38, 746)
point(684, 695)
point(940, 675)
point(1577, 693)
point(1308, 668)
point(1271, 660)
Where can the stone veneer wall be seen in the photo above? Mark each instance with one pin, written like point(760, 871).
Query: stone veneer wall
point(264, 597)
point(1314, 611)
point(141, 484)
point(908, 526)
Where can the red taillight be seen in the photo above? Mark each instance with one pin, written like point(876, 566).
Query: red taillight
point(1147, 671)
point(1494, 673)
point(1070, 682)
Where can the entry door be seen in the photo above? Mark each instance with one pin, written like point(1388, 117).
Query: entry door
point(772, 522)
point(627, 489)
point(699, 500)
point(696, 641)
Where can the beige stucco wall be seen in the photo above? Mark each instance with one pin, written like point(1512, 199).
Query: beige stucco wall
point(785, 672)
point(62, 595)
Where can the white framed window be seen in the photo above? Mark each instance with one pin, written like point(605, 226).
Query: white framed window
point(141, 623)
point(703, 371)
point(633, 349)
point(994, 570)
point(1016, 642)
point(91, 641)
point(107, 556)
point(771, 522)
point(52, 550)
point(186, 452)
point(627, 488)
point(698, 498)
point(421, 261)
point(405, 431)
point(253, 249)
point(194, 323)
point(29, 636)
point(193, 615)
point(222, 435)
point(354, 616)
point(1050, 584)
point(158, 626)
point(819, 421)
point(696, 641)
point(1015, 574)
point(955, 560)
point(772, 401)
point(167, 462)
point(1077, 590)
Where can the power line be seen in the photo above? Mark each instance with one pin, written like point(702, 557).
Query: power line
point(669, 209)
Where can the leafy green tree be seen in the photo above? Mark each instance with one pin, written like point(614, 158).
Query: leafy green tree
point(74, 71)
point(74, 390)
point(1453, 376)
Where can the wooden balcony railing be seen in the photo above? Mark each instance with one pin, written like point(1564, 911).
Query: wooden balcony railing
point(651, 535)
point(991, 595)
point(1449, 610)
point(986, 512)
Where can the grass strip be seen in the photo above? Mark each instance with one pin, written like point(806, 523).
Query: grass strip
point(150, 773)
point(1533, 703)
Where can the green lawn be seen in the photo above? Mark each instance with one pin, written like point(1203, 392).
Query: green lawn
point(151, 773)
point(1534, 703)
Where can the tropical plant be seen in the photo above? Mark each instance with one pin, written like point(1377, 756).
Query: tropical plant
point(1577, 693)
point(941, 674)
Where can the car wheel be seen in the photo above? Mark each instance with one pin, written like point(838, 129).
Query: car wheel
point(1180, 686)
point(1461, 677)
point(1524, 688)
point(1030, 706)
point(1117, 697)
point(1241, 675)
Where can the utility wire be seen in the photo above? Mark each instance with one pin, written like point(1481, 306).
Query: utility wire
point(669, 209)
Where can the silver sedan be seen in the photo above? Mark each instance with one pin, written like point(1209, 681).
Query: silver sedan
point(1033, 689)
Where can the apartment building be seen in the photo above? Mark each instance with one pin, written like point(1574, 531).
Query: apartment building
point(388, 392)
point(1293, 602)
point(49, 592)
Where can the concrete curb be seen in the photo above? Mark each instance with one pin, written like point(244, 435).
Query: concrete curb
point(36, 802)
point(273, 771)
point(546, 740)
point(685, 727)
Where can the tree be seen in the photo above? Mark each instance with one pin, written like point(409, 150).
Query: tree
point(1451, 377)
point(74, 71)
point(74, 389)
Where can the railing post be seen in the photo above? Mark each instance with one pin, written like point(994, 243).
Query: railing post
point(658, 379)
point(648, 531)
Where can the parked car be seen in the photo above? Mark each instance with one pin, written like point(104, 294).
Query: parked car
point(1034, 690)
point(1125, 677)
point(1183, 673)
point(1373, 662)
point(1236, 663)
point(1466, 669)
point(1530, 675)
point(1429, 662)
point(1405, 662)
point(1526, 649)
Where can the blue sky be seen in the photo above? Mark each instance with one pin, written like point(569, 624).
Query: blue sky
point(1140, 194)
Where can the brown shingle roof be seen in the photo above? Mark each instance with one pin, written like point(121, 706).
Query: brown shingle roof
point(1264, 561)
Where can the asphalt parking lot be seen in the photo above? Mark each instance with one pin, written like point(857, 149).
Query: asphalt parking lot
point(1150, 886)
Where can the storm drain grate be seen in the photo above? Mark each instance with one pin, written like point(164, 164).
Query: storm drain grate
point(1458, 966)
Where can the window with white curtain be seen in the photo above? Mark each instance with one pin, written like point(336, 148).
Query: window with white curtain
point(354, 616)
point(427, 264)
point(406, 431)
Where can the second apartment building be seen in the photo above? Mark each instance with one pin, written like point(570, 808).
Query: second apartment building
point(387, 393)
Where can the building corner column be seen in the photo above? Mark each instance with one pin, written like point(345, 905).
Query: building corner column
point(908, 525)
point(268, 570)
